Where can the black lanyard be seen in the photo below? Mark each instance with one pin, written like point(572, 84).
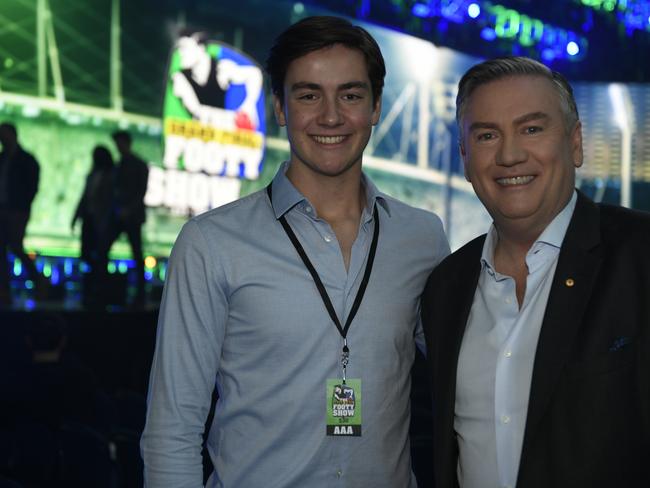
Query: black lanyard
point(343, 330)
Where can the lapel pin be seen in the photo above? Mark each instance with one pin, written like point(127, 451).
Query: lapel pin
point(569, 282)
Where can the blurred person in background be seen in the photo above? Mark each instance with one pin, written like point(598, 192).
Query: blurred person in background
point(94, 210)
point(129, 213)
point(19, 174)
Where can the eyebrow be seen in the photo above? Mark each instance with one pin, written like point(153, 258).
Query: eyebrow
point(519, 120)
point(306, 85)
point(354, 84)
point(530, 117)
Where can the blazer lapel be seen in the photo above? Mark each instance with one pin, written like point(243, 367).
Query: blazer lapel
point(459, 299)
point(575, 274)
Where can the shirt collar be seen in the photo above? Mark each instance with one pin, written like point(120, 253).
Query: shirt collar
point(286, 196)
point(553, 234)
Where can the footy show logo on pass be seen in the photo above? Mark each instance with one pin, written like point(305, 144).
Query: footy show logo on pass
point(344, 408)
point(213, 127)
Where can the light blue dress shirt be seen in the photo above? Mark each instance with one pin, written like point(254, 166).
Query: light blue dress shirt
point(495, 364)
point(241, 311)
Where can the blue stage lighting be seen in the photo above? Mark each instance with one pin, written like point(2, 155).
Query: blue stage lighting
point(548, 54)
point(572, 48)
point(56, 276)
point(474, 10)
point(421, 10)
point(488, 34)
point(67, 267)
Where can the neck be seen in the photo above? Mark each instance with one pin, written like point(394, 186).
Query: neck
point(512, 248)
point(510, 260)
point(516, 241)
point(10, 150)
point(334, 198)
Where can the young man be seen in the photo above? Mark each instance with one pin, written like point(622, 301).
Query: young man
point(538, 333)
point(299, 302)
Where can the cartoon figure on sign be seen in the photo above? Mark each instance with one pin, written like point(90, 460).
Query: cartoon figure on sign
point(204, 80)
point(343, 395)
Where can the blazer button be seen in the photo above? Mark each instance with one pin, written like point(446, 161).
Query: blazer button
point(569, 282)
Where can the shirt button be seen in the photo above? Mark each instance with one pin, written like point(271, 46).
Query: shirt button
point(339, 473)
point(508, 301)
point(505, 419)
point(327, 238)
point(308, 209)
point(507, 354)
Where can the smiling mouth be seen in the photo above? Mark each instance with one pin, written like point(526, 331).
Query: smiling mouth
point(329, 139)
point(515, 180)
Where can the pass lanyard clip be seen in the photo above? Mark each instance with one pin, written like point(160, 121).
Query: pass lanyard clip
point(345, 357)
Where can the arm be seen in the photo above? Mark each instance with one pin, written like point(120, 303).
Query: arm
point(230, 72)
point(191, 329)
point(184, 91)
point(80, 212)
point(441, 251)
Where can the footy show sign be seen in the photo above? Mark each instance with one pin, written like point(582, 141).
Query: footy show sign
point(213, 122)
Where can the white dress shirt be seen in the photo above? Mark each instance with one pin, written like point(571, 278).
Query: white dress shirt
point(495, 364)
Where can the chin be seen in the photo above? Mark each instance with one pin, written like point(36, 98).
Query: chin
point(513, 213)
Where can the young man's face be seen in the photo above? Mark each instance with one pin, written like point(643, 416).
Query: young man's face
point(518, 153)
point(328, 110)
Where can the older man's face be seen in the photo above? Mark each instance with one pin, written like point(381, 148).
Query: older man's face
point(518, 154)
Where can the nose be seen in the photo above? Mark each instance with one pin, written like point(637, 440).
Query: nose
point(511, 151)
point(330, 113)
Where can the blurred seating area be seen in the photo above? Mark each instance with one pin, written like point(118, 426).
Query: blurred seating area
point(73, 402)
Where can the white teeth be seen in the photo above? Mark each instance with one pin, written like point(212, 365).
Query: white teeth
point(517, 180)
point(329, 139)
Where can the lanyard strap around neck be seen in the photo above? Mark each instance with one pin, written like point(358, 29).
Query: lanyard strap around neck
point(343, 330)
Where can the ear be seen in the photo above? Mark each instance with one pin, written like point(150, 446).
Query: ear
point(463, 156)
point(576, 145)
point(376, 111)
point(278, 111)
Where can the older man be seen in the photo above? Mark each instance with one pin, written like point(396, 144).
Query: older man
point(538, 332)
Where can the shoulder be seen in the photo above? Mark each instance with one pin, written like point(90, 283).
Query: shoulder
point(27, 156)
point(416, 229)
point(467, 257)
point(415, 218)
point(142, 164)
point(615, 232)
point(624, 231)
point(624, 223)
point(236, 208)
point(241, 218)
